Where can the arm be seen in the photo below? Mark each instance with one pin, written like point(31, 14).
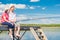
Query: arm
point(5, 19)
point(13, 21)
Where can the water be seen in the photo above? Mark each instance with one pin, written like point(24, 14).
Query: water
point(52, 33)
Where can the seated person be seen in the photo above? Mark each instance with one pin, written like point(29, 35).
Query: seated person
point(12, 18)
point(5, 21)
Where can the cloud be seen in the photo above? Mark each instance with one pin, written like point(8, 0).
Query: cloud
point(34, 0)
point(3, 6)
point(57, 5)
point(6, 6)
point(32, 7)
point(38, 6)
point(1, 11)
point(39, 21)
point(0, 2)
point(43, 8)
point(20, 6)
point(49, 21)
point(21, 17)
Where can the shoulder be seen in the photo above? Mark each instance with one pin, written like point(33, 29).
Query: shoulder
point(3, 13)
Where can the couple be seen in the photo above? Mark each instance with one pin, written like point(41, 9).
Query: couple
point(9, 18)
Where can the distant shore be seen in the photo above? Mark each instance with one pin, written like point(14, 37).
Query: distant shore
point(42, 25)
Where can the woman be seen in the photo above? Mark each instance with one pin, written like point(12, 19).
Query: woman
point(12, 18)
point(5, 21)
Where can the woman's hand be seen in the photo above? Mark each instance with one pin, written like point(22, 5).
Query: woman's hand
point(12, 21)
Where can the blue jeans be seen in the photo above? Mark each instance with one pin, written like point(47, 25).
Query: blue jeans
point(8, 24)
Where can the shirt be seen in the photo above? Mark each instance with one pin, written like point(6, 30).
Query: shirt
point(4, 15)
point(12, 16)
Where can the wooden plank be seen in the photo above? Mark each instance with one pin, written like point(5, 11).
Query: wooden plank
point(43, 34)
point(34, 33)
point(5, 28)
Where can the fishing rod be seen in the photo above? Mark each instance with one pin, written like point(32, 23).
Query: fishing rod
point(39, 18)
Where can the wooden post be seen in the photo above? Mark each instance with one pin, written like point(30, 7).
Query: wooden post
point(44, 36)
point(13, 33)
point(34, 33)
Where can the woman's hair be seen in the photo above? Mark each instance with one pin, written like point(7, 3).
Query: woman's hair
point(6, 11)
point(11, 7)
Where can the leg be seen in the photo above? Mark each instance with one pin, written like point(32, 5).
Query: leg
point(17, 30)
point(10, 33)
point(10, 26)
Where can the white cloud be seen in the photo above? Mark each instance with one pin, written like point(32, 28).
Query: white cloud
point(38, 6)
point(6, 6)
point(57, 5)
point(20, 6)
point(32, 7)
point(1, 11)
point(0, 2)
point(21, 17)
point(42, 21)
point(49, 21)
point(43, 8)
point(3, 6)
point(34, 0)
point(39, 21)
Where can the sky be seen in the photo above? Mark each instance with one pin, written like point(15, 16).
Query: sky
point(31, 9)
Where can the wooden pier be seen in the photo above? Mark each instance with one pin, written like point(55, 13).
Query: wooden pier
point(35, 30)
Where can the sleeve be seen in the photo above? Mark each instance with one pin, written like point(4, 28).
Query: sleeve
point(4, 15)
point(15, 16)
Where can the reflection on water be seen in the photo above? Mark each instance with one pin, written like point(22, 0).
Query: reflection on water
point(52, 34)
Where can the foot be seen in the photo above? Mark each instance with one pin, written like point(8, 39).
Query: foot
point(11, 36)
point(17, 35)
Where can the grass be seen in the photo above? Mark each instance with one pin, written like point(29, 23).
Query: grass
point(42, 25)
